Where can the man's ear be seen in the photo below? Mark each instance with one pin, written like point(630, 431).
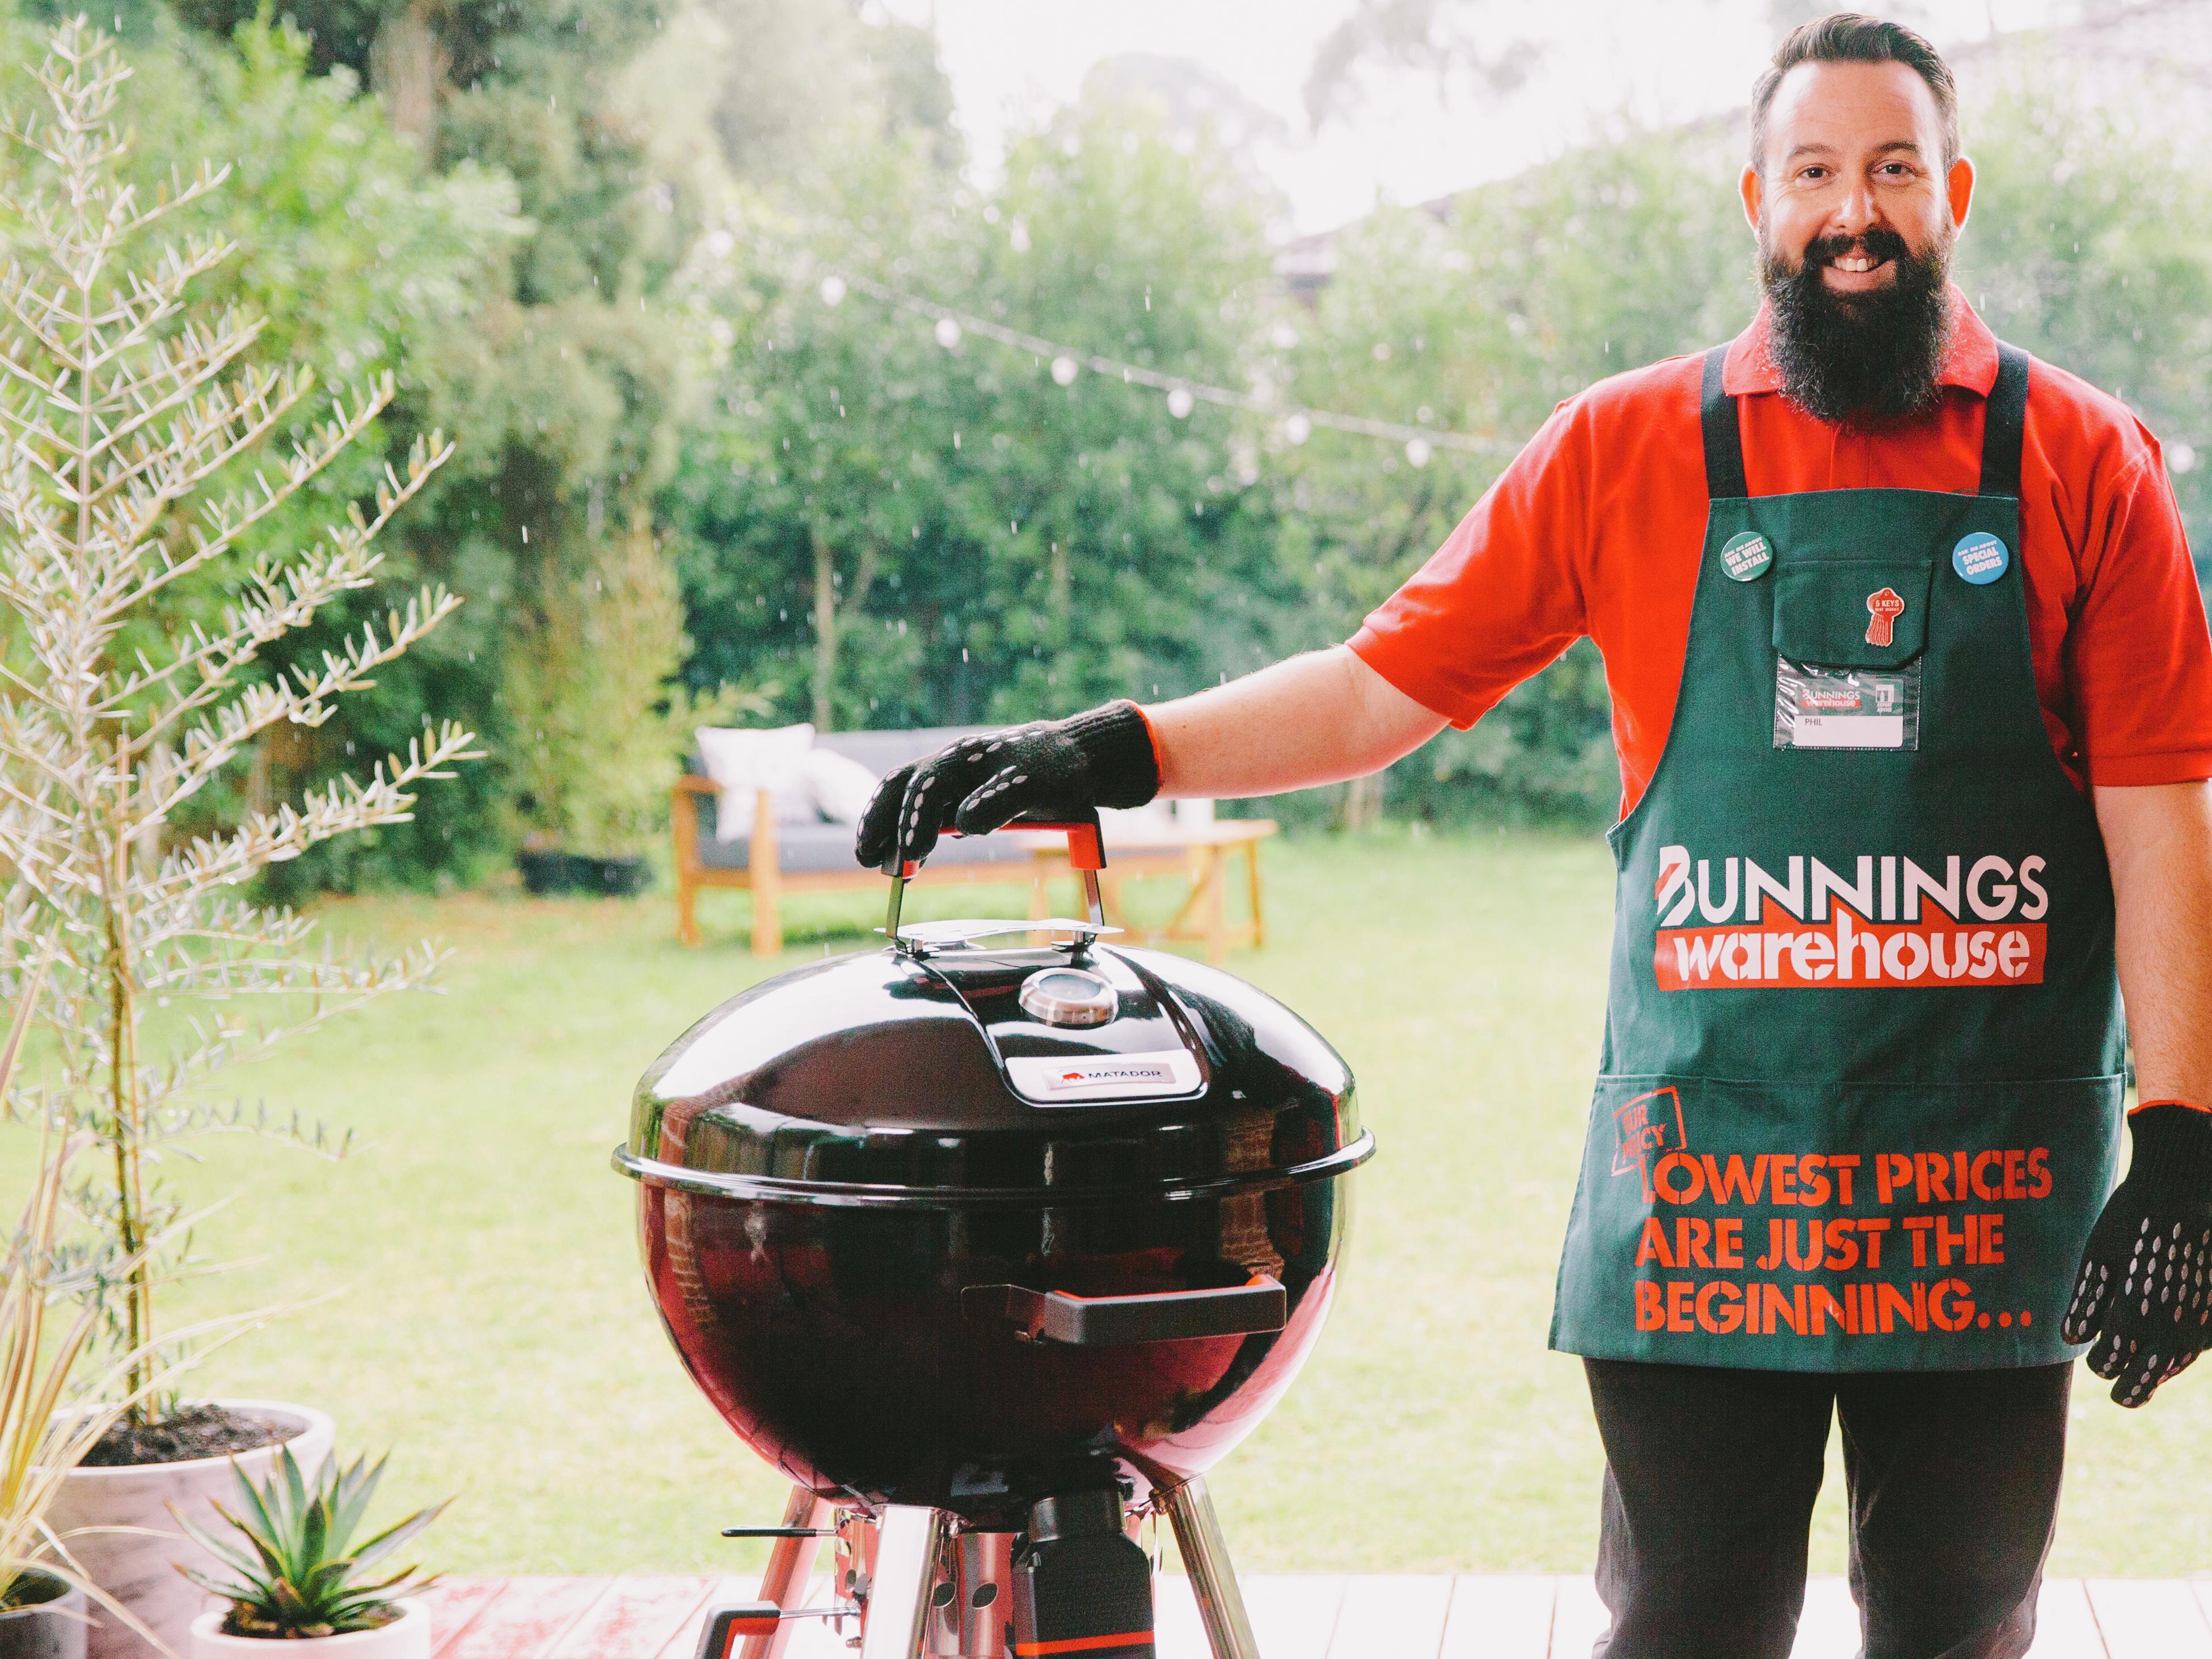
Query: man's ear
point(1960, 186)
point(1752, 189)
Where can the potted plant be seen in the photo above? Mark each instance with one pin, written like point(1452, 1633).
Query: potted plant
point(149, 576)
point(296, 1575)
point(44, 1594)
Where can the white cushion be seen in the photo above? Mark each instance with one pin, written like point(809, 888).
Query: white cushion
point(841, 786)
point(743, 761)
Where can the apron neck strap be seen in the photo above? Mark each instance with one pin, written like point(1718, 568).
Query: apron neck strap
point(2003, 432)
point(1724, 474)
point(2005, 423)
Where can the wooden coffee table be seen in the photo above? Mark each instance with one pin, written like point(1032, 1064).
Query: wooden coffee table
point(1201, 852)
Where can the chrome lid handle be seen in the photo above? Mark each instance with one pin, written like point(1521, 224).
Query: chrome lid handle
point(1086, 856)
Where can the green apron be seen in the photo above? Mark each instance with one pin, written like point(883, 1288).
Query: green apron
point(1860, 1097)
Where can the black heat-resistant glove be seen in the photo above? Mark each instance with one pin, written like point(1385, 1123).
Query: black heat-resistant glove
point(1101, 757)
point(2145, 1292)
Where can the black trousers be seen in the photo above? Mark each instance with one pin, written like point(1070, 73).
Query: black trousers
point(1711, 1476)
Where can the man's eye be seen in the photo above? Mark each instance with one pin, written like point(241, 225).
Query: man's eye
point(1813, 175)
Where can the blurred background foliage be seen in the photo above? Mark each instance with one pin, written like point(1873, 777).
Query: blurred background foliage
point(630, 253)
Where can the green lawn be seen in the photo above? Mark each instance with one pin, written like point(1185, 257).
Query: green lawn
point(489, 1322)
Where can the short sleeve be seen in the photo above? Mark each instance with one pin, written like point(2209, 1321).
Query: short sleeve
point(2139, 659)
point(1501, 599)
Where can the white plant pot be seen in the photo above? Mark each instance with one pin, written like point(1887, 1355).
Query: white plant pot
point(140, 1571)
point(407, 1636)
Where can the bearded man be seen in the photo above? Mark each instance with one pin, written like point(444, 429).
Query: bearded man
point(1912, 695)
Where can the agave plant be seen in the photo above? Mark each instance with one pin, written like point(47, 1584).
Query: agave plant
point(298, 1573)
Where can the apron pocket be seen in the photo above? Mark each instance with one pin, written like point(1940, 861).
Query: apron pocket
point(1870, 613)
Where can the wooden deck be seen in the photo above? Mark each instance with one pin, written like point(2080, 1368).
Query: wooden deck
point(1294, 1618)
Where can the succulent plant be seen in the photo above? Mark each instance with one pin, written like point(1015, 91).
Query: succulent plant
point(298, 1573)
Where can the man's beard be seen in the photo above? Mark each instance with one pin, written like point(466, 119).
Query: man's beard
point(1863, 357)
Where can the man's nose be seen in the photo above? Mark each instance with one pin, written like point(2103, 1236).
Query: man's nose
point(1855, 211)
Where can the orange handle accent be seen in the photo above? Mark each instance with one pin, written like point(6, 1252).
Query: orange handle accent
point(1087, 848)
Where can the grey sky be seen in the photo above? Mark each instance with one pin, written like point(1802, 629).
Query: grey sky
point(1012, 61)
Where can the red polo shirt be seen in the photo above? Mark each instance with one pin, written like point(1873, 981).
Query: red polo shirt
point(1597, 525)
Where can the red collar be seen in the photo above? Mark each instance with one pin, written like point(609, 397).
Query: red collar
point(1971, 362)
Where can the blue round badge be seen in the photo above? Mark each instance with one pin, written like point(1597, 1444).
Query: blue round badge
point(1980, 558)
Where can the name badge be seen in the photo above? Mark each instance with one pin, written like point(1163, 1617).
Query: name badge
point(1817, 708)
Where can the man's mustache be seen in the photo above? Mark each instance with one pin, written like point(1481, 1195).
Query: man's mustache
point(1879, 245)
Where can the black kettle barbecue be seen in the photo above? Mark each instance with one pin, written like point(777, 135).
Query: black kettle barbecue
point(994, 1249)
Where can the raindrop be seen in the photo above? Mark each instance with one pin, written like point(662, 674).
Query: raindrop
point(948, 332)
point(1063, 370)
point(1018, 237)
point(1381, 352)
point(1282, 337)
point(1297, 429)
point(1181, 403)
point(833, 290)
point(1424, 414)
point(2180, 459)
point(1417, 452)
point(722, 244)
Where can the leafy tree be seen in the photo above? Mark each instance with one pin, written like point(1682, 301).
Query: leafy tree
point(905, 528)
point(1463, 44)
point(1480, 322)
point(625, 126)
point(2091, 245)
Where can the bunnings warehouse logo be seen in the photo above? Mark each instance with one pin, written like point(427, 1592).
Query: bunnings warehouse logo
point(1883, 920)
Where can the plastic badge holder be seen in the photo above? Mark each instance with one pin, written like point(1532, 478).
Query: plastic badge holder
point(1818, 707)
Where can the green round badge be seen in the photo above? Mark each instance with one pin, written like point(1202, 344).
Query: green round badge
point(1745, 557)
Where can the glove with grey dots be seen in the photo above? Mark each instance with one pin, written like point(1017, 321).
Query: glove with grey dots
point(2144, 1296)
point(1102, 758)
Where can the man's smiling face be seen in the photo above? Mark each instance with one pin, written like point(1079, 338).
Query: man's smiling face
point(1857, 203)
point(1855, 174)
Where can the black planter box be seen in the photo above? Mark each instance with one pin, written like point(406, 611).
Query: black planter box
point(548, 873)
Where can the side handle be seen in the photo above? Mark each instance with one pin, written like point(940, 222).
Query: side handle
point(1102, 1322)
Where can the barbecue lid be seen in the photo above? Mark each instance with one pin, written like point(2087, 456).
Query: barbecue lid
point(952, 1066)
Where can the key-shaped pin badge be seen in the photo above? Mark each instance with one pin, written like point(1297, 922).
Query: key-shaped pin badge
point(1886, 605)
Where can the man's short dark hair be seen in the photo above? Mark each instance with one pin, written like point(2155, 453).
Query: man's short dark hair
point(1848, 37)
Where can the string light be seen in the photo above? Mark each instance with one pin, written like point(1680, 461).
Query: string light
point(1184, 394)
